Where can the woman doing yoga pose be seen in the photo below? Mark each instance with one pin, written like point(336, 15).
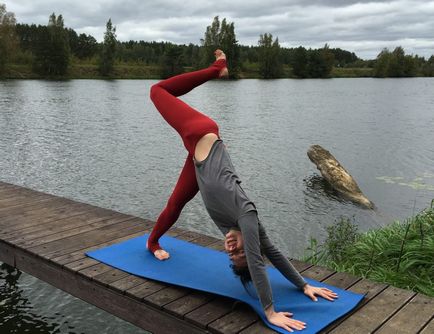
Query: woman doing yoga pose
point(208, 168)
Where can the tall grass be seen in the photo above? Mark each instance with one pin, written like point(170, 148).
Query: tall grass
point(400, 254)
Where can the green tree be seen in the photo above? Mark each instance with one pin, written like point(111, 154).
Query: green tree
point(343, 58)
point(299, 62)
point(381, 67)
point(108, 52)
point(428, 67)
point(313, 63)
point(395, 64)
point(221, 36)
point(327, 60)
point(87, 46)
point(8, 38)
point(52, 52)
point(171, 63)
point(270, 65)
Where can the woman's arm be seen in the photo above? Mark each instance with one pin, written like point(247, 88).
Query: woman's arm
point(279, 260)
point(288, 270)
point(249, 226)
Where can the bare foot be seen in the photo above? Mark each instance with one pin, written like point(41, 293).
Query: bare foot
point(160, 254)
point(219, 54)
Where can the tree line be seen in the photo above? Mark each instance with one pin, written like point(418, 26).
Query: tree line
point(51, 49)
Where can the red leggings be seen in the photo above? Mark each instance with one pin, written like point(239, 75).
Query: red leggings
point(191, 126)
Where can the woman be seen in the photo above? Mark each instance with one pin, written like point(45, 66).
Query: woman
point(208, 168)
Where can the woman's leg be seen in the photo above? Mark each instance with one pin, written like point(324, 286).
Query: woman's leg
point(181, 84)
point(185, 189)
point(188, 122)
point(192, 126)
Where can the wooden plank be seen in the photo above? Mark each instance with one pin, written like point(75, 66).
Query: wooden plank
point(24, 207)
point(110, 276)
point(81, 264)
point(129, 309)
point(7, 254)
point(52, 212)
point(235, 321)
point(56, 226)
point(189, 236)
point(411, 318)
point(188, 303)
point(318, 273)
point(211, 311)
point(429, 328)
point(106, 220)
point(4, 184)
point(80, 253)
point(205, 240)
point(300, 266)
point(95, 270)
point(127, 283)
point(377, 311)
point(20, 199)
point(364, 286)
point(217, 245)
point(5, 191)
point(166, 295)
point(64, 246)
point(258, 328)
point(145, 289)
point(368, 288)
point(342, 280)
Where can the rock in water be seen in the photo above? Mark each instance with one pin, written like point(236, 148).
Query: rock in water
point(337, 176)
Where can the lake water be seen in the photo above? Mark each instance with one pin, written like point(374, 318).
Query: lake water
point(104, 143)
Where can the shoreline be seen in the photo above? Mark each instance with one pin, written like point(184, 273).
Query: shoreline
point(152, 72)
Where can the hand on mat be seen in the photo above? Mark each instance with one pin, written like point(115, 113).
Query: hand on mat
point(311, 291)
point(283, 319)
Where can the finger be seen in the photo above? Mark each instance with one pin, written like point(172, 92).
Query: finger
point(288, 314)
point(312, 296)
point(289, 329)
point(297, 324)
point(331, 295)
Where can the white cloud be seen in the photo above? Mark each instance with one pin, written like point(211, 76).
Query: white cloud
point(364, 27)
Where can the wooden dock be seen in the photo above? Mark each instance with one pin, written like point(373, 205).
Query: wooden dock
point(47, 236)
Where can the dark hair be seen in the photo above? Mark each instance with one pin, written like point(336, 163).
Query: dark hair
point(244, 275)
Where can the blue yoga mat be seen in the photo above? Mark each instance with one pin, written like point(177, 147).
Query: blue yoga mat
point(204, 269)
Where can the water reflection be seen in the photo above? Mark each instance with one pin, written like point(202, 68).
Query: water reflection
point(16, 311)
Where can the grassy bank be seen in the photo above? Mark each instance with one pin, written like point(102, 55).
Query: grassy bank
point(86, 71)
point(139, 71)
point(400, 254)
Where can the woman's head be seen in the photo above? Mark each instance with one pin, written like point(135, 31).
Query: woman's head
point(234, 246)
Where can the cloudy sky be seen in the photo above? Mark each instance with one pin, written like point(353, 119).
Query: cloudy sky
point(363, 27)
